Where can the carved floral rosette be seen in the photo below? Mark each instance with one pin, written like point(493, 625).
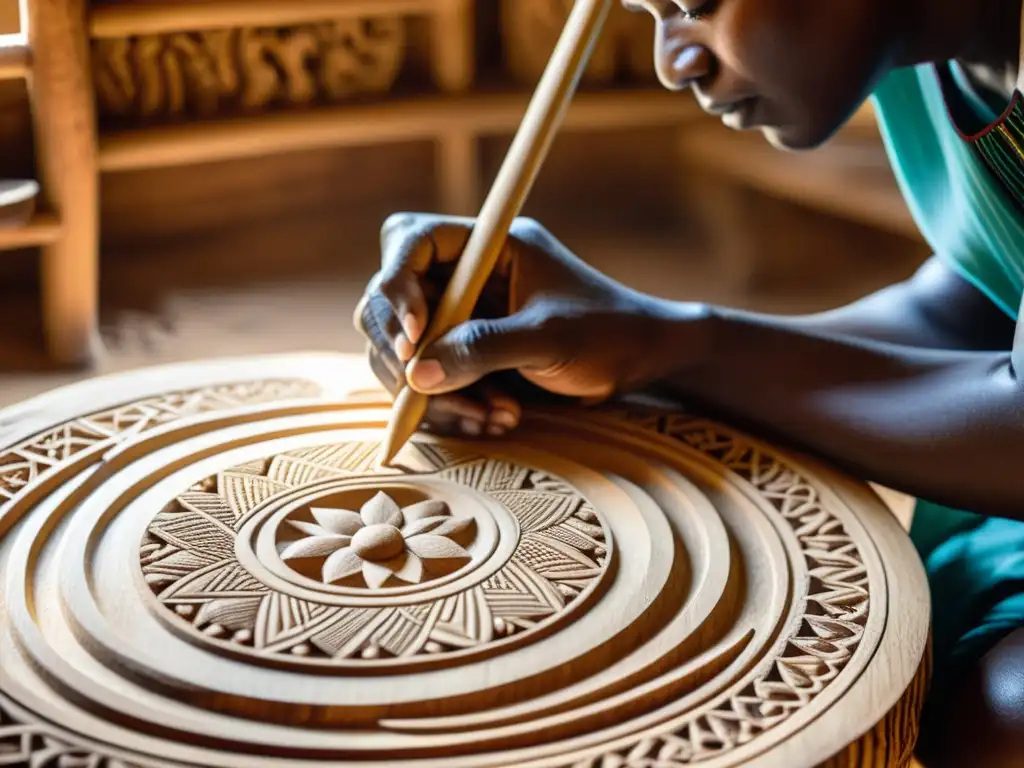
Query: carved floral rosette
point(222, 575)
point(217, 72)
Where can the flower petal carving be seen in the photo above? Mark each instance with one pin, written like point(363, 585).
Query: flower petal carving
point(315, 546)
point(431, 547)
point(425, 509)
point(375, 574)
point(381, 509)
point(411, 570)
point(425, 525)
point(341, 565)
point(423, 531)
point(310, 529)
point(338, 521)
point(454, 525)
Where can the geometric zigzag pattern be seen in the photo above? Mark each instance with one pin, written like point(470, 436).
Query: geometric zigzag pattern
point(832, 626)
point(837, 602)
point(31, 745)
point(188, 560)
point(38, 455)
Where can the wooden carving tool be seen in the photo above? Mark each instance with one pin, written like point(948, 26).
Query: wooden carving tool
point(504, 202)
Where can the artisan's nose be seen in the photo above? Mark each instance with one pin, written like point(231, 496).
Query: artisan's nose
point(688, 65)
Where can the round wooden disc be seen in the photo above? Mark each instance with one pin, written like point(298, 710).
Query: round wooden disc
point(203, 565)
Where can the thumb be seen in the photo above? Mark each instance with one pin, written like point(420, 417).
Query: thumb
point(477, 348)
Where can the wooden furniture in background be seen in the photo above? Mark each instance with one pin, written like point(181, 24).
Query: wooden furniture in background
point(53, 56)
point(17, 203)
point(175, 84)
point(204, 565)
point(849, 178)
point(10, 17)
point(172, 60)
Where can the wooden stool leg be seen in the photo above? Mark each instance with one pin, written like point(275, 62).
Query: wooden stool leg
point(65, 132)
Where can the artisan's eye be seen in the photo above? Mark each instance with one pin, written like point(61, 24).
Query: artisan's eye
point(695, 10)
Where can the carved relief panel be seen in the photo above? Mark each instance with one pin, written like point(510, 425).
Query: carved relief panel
point(224, 71)
point(224, 576)
point(530, 29)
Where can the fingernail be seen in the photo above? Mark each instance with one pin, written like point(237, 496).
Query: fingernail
point(426, 374)
point(504, 419)
point(496, 430)
point(471, 426)
point(686, 59)
point(404, 348)
point(411, 326)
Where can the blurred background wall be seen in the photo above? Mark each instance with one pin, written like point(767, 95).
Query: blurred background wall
point(269, 252)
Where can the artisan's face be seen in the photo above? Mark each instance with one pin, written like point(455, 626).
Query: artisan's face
point(797, 69)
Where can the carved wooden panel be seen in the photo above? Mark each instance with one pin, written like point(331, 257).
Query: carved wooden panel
point(224, 71)
point(530, 29)
point(223, 576)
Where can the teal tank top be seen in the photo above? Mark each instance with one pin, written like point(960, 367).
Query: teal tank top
point(959, 161)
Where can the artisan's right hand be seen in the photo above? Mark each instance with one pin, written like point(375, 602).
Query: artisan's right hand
point(563, 326)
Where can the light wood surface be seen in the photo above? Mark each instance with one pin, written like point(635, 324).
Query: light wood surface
point(614, 587)
point(515, 179)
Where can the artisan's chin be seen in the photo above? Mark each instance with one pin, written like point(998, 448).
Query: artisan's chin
point(794, 138)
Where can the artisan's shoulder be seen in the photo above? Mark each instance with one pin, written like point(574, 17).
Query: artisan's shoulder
point(963, 212)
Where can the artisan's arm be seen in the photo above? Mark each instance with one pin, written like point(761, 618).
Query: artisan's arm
point(938, 423)
point(935, 308)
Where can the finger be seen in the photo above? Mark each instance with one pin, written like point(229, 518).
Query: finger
point(381, 370)
point(380, 327)
point(458, 414)
point(477, 348)
point(409, 251)
point(390, 329)
point(357, 316)
point(447, 414)
point(503, 411)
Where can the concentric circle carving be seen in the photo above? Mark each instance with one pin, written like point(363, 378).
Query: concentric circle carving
point(317, 556)
point(222, 576)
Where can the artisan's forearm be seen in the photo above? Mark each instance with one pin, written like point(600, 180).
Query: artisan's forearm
point(946, 426)
point(935, 309)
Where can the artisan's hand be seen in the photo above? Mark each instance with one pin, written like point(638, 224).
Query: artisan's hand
point(562, 326)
